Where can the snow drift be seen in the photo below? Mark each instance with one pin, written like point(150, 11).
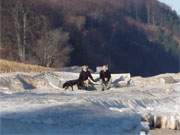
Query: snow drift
point(36, 104)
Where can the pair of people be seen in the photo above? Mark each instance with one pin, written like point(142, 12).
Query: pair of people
point(85, 77)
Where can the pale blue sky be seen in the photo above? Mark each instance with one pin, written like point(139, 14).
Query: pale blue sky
point(175, 4)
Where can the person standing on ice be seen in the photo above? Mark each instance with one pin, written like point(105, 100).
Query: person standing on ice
point(105, 77)
point(85, 77)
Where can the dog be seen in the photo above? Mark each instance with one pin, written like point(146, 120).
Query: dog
point(71, 83)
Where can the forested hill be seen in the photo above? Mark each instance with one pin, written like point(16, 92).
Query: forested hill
point(137, 36)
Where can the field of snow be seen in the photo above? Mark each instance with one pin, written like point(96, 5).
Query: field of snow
point(33, 104)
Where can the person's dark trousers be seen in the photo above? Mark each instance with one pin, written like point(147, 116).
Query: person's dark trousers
point(105, 85)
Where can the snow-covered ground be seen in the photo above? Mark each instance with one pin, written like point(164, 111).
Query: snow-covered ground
point(34, 104)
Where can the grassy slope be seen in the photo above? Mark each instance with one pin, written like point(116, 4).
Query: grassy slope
point(9, 66)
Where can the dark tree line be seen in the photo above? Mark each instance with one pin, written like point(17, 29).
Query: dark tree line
point(137, 36)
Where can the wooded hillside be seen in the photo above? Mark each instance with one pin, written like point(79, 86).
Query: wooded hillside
point(137, 36)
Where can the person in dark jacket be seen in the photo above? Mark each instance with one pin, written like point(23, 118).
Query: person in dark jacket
point(105, 77)
point(85, 77)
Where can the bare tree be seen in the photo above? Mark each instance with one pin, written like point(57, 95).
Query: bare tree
point(52, 49)
point(16, 13)
point(22, 15)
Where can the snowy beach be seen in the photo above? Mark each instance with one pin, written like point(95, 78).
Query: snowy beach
point(52, 110)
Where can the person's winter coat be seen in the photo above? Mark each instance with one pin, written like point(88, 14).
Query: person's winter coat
point(85, 75)
point(105, 75)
